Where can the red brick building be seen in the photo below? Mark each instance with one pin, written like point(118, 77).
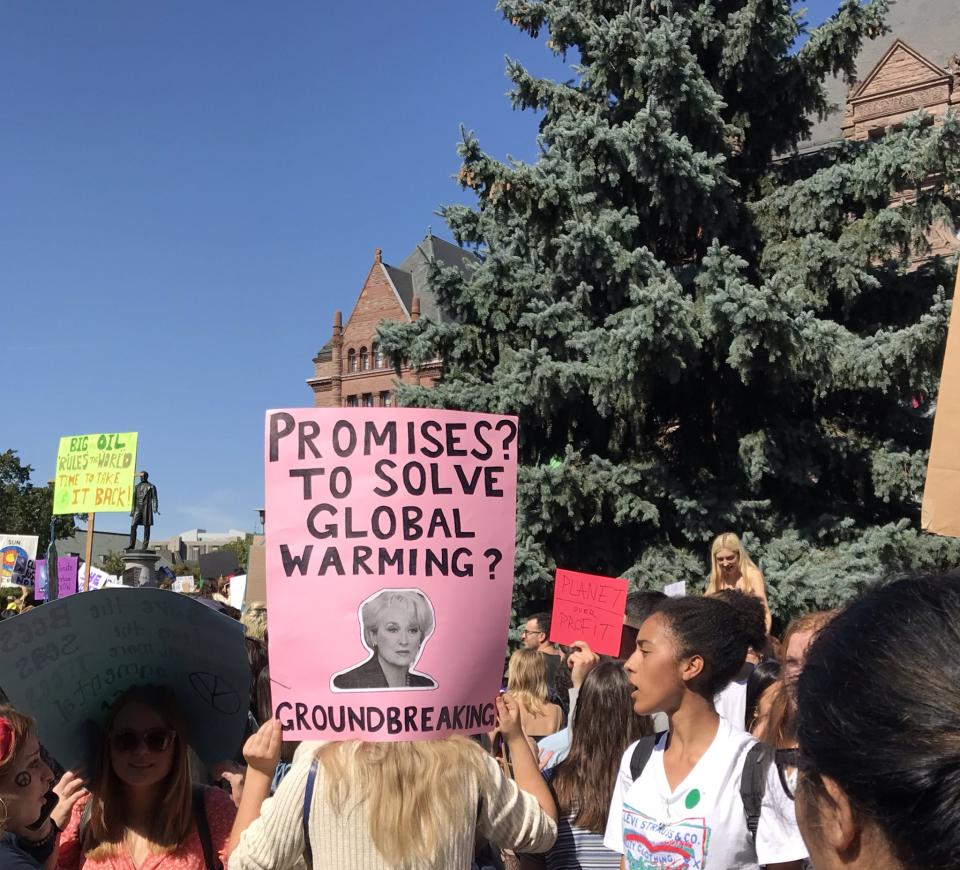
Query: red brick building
point(350, 370)
point(915, 66)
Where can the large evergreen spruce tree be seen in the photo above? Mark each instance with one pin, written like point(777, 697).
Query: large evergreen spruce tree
point(700, 329)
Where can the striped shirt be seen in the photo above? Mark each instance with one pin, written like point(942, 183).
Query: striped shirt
point(579, 849)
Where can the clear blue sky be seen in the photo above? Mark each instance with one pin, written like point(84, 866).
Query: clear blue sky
point(190, 189)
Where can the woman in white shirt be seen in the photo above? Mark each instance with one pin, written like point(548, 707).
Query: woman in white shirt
point(685, 809)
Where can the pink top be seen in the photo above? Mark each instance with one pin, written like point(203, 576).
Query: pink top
point(188, 856)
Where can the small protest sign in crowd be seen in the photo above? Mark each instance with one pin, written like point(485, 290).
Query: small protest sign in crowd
point(370, 713)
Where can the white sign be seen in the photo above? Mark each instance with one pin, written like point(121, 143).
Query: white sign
point(675, 590)
point(100, 579)
point(238, 588)
point(184, 584)
point(17, 555)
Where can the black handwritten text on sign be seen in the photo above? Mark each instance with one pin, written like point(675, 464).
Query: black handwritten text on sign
point(590, 608)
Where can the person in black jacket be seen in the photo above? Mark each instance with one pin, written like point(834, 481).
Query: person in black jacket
point(396, 623)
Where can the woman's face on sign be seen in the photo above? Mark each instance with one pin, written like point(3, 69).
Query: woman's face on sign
point(398, 635)
point(24, 786)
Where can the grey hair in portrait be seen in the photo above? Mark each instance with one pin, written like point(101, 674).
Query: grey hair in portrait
point(373, 609)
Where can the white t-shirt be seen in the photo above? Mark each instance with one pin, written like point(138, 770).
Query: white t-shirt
point(731, 702)
point(701, 825)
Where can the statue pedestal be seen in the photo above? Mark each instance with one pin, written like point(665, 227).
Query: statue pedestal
point(140, 568)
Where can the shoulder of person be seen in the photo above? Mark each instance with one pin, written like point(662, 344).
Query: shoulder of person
point(14, 858)
point(488, 773)
point(628, 754)
point(303, 754)
point(421, 680)
point(358, 677)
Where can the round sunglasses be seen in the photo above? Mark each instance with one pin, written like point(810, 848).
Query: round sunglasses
point(153, 740)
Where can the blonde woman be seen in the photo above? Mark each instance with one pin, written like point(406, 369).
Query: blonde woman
point(527, 682)
point(732, 568)
point(400, 806)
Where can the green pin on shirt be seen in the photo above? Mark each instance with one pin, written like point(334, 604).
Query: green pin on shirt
point(693, 798)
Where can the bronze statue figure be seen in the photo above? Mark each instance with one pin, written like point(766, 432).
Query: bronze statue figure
point(144, 507)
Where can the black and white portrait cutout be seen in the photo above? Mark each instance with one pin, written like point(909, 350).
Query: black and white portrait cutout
point(395, 624)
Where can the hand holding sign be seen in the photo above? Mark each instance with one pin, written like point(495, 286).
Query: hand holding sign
point(589, 608)
point(262, 749)
point(581, 661)
point(508, 717)
point(68, 790)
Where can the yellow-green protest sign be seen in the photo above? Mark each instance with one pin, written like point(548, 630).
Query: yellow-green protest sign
point(95, 473)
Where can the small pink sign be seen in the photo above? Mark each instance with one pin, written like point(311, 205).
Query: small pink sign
point(390, 536)
point(67, 570)
point(590, 608)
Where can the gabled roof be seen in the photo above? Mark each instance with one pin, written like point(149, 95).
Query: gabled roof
point(417, 266)
point(928, 68)
point(412, 278)
point(403, 283)
point(930, 28)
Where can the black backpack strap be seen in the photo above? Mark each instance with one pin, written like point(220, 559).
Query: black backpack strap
point(753, 784)
point(210, 859)
point(641, 754)
point(307, 804)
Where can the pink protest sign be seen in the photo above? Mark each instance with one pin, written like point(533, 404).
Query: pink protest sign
point(67, 570)
point(389, 563)
point(590, 608)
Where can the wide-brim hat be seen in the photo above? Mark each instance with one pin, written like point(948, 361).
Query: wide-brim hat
point(66, 662)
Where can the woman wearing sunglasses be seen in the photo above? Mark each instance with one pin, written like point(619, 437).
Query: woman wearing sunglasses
point(143, 809)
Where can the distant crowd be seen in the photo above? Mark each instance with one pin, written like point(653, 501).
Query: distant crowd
point(707, 744)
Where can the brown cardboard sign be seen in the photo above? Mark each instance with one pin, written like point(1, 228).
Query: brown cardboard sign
point(940, 513)
point(256, 571)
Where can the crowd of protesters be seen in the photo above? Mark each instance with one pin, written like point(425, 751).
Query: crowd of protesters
point(708, 743)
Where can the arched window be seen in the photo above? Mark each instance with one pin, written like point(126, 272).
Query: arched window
point(364, 359)
point(377, 356)
point(351, 360)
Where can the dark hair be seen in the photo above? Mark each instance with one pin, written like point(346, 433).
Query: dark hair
point(256, 661)
point(561, 684)
point(761, 678)
point(751, 613)
point(543, 622)
point(641, 605)
point(708, 627)
point(879, 713)
point(262, 701)
point(256, 655)
point(606, 726)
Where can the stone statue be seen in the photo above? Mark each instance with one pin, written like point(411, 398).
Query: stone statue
point(144, 507)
